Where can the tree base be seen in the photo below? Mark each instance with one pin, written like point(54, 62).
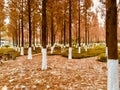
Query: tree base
point(44, 59)
point(33, 47)
point(106, 52)
point(22, 51)
point(70, 53)
point(113, 77)
point(86, 48)
point(79, 49)
point(29, 53)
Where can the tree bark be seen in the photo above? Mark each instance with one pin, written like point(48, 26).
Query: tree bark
point(70, 21)
point(22, 26)
point(112, 29)
point(44, 23)
point(79, 40)
point(52, 29)
point(19, 31)
point(29, 20)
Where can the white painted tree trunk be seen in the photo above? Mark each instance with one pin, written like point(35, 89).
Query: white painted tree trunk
point(33, 47)
point(70, 53)
point(29, 53)
point(86, 48)
point(15, 48)
point(52, 49)
point(106, 52)
point(79, 49)
point(22, 51)
point(44, 59)
point(113, 77)
point(18, 49)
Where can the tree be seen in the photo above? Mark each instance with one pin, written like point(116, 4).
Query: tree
point(44, 24)
point(79, 39)
point(70, 32)
point(30, 31)
point(52, 31)
point(111, 19)
point(22, 32)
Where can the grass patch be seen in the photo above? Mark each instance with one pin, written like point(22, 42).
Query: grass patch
point(90, 53)
point(103, 58)
point(57, 51)
point(7, 53)
point(37, 50)
point(75, 55)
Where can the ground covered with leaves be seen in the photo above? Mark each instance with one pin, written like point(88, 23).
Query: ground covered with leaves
point(62, 74)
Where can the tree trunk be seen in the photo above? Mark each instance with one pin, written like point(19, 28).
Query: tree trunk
point(85, 25)
point(64, 31)
point(111, 19)
point(34, 29)
point(70, 32)
point(106, 52)
point(30, 31)
point(22, 46)
point(52, 32)
point(16, 37)
point(44, 22)
point(79, 39)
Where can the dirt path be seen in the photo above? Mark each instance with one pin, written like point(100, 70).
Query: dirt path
point(62, 74)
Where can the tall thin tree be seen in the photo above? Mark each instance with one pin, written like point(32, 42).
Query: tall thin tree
point(70, 32)
point(22, 32)
point(86, 25)
point(112, 64)
point(79, 39)
point(44, 24)
point(30, 31)
point(52, 32)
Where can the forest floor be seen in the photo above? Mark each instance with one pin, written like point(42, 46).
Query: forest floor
point(62, 74)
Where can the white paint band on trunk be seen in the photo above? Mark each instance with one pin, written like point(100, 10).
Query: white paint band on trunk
point(113, 77)
point(22, 51)
point(33, 47)
point(70, 53)
point(29, 53)
point(18, 49)
point(86, 48)
point(44, 59)
point(52, 49)
point(106, 52)
point(79, 49)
